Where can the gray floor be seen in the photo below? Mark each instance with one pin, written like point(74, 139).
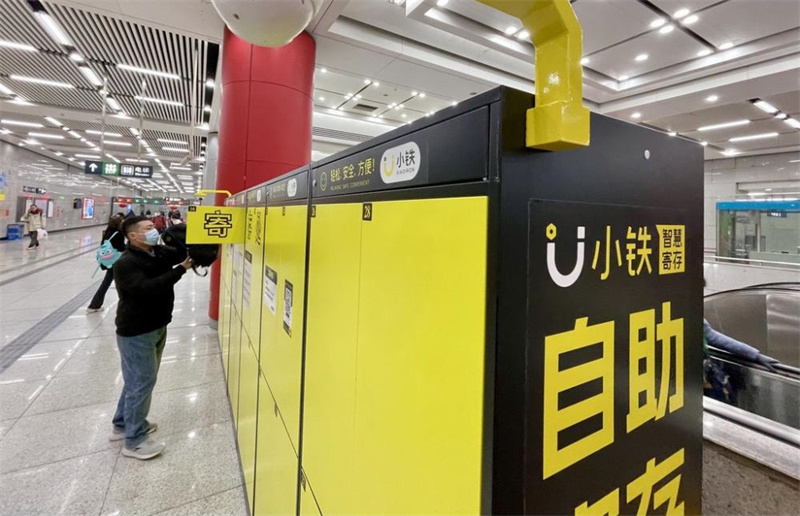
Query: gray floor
point(57, 399)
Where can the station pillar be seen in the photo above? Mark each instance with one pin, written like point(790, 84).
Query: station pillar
point(265, 118)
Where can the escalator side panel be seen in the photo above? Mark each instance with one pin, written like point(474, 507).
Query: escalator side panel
point(783, 329)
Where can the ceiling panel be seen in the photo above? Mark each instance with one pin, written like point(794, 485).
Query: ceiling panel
point(672, 6)
point(608, 22)
point(663, 50)
point(483, 14)
point(737, 22)
point(688, 122)
point(787, 102)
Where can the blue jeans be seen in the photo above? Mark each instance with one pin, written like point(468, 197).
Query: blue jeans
point(141, 358)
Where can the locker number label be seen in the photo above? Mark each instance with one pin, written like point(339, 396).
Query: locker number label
point(287, 307)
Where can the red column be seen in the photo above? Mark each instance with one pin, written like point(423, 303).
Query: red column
point(265, 117)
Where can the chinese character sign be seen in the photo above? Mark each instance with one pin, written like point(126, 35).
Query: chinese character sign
point(613, 361)
point(215, 225)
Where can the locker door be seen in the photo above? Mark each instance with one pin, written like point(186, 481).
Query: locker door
point(329, 405)
point(421, 344)
point(281, 352)
point(233, 364)
point(248, 405)
point(224, 298)
point(276, 463)
point(252, 274)
point(308, 506)
point(224, 326)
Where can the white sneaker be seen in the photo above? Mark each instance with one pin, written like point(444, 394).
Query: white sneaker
point(118, 435)
point(147, 449)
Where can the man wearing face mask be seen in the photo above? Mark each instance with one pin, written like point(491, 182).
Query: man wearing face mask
point(145, 276)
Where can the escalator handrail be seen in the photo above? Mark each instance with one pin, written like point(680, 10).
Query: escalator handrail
point(755, 422)
point(780, 369)
point(755, 288)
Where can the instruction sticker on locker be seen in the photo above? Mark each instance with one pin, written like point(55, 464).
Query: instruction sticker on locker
point(270, 288)
point(246, 277)
point(287, 308)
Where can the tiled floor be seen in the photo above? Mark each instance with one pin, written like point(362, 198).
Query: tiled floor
point(56, 400)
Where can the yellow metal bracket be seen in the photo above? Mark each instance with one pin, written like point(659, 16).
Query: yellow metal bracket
point(559, 121)
point(203, 193)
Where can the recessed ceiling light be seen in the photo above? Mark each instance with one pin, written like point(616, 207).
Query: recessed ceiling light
point(510, 30)
point(523, 34)
point(712, 98)
point(680, 13)
point(585, 61)
point(90, 76)
point(414, 93)
point(53, 121)
point(403, 115)
point(441, 3)
point(113, 104)
point(636, 116)
point(118, 144)
point(45, 135)
point(367, 81)
point(174, 149)
point(454, 103)
point(358, 97)
point(765, 106)
point(36, 80)
point(672, 133)
point(704, 144)
point(207, 109)
point(20, 123)
point(658, 22)
point(76, 135)
point(91, 156)
point(53, 29)
point(781, 116)
point(689, 20)
point(4, 89)
point(159, 101)
point(705, 52)
point(422, 95)
point(642, 57)
point(147, 71)
point(730, 152)
point(75, 56)
point(92, 131)
point(209, 83)
point(623, 78)
point(723, 125)
point(666, 29)
point(17, 46)
point(761, 136)
point(792, 123)
point(321, 99)
point(726, 46)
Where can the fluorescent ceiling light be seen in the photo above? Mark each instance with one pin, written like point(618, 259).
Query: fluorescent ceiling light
point(146, 71)
point(210, 82)
point(792, 123)
point(422, 95)
point(623, 78)
point(173, 167)
point(134, 131)
point(680, 13)
point(36, 80)
point(207, 109)
point(321, 99)
point(164, 140)
point(724, 125)
point(53, 121)
point(90, 75)
point(712, 98)
point(726, 46)
point(642, 57)
point(112, 102)
point(524, 35)
point(174, 149)
point(75, 56)
point(45, 135)
point(585, 61)
point(91, 156)
point(441, 3)
point(112, 157)
point(761, 136)
point(20, 123)
point(666, 29)
point(730, 152)
point(92, 131)
point(118, 144)
point(672, 133)
point(510, 30)
point(765, 106)
point(5, 89)
point(689, 20)
point(17, 46)
point(53, 29)
point(636, 116)
point(159, 101)
point(781, 116)
point(704, 53)
point(704, 144)
point(132, 160)
point(76, 135)
point(658, 22)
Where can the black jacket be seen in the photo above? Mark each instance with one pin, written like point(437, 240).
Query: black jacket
point(145, 287)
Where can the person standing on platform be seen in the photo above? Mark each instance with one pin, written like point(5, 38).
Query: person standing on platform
point(112, 233)
point(145, 276)
point(160, 222)
point(34, 221)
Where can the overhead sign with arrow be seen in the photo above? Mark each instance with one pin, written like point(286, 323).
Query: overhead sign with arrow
point(93, 167)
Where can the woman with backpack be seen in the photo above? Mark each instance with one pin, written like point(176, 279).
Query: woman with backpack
point(113, 235)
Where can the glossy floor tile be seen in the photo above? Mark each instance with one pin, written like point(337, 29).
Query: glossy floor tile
point(57, 399)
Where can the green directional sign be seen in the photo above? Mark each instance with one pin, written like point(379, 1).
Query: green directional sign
point(110, 169)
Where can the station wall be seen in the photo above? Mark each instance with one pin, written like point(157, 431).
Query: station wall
point(62, 184)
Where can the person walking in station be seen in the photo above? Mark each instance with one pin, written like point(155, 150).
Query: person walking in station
point(34, 221)
point(145, 276)
point(113, 234)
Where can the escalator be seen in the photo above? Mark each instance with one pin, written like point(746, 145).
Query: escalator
point(766, 317)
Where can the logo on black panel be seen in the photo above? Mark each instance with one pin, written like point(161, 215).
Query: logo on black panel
point(367, 211)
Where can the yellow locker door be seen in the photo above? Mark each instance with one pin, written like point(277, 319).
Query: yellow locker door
point(276, 462)
point(281, 352)
point(223, 289)
point(224, 325)
point(308, 506)
point(270, 316)
point(233, 364)
point(237, 269)
point(329, 405)
point(248, 405)
point(420, 372)
point(252, 274)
